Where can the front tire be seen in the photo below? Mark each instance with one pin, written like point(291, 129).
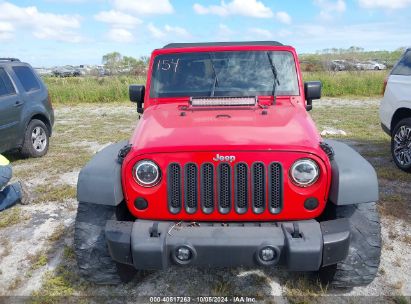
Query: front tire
point(401, 144)
point(93, 258)
point(36, 139)
point(361, 265)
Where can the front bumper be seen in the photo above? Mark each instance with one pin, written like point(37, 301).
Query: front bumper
point(299, 246)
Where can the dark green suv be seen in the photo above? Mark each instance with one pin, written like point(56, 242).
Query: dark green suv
point(26, 113)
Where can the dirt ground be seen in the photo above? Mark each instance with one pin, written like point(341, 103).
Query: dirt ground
point(36, 253)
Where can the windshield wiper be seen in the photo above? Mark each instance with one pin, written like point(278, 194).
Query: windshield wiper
point(275, 74)
point(215, 83)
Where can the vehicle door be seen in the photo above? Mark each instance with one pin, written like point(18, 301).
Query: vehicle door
point(399, 82)
point(31, 93)
point(10, 111)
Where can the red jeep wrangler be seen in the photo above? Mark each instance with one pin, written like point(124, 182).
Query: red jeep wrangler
point(226, 168)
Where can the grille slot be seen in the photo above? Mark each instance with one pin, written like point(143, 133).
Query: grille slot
point(258, 187)
point(276, 187)
point(207, 187)
point(224, 188)
point(241, 187)
point(174, 188)
point(191, 187)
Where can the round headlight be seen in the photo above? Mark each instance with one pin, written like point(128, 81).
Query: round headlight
point(304, 172)
point(146, 173)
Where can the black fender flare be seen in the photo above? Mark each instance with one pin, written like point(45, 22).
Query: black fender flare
point(99, 182)
point(353, 180)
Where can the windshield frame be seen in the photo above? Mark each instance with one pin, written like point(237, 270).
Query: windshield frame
point(214, 49)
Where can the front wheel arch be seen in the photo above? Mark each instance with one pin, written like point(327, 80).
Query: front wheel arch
point(399, 115)
point(39, 116)
point(42, 118)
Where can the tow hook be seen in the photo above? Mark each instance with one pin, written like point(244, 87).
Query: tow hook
point(296, 231)
point(154, 230)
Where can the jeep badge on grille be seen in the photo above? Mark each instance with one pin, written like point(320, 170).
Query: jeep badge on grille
point(228, 158)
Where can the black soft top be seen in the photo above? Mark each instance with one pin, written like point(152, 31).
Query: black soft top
point(238, 43)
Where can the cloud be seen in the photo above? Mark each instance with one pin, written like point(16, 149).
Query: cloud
point(223, 33)
point(328, 9)
point(387, 4)
point(144, 7)
point(264, 34)
point(6, 31)
point(283, 17)
point(120, 35)
point(283, 33)
point(167, 31)
point(118, 19)
point(225, 30)
point(121, 24)
point(179, 31)
point(71, 1)
point(260, 33)
point(250, 8)
point(43, 25)
point(368, 35)
point(6, 27)
point(155, 31)
point(57, 35)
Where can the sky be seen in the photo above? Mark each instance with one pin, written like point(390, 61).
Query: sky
point(58, 32)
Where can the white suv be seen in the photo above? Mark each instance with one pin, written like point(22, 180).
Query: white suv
point(395, 111)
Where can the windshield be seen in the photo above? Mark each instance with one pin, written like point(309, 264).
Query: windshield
point(224, 74)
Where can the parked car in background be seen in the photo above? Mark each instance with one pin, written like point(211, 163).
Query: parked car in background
point(43, 71)
point(370, 65)
point(341, 65)
point(66, 71)
point(80, 71)
point(338, 65)
point(375, 65)
point(62, 72)
point(395, 111)
point(26, 113)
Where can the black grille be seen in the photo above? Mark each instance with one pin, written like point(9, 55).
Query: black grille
point(191, 187)
point(276, 187)
point(261, 184)
point(258, 184)
point(207, 187)
point(241, 187)
point(174, 188)
point(224, 191)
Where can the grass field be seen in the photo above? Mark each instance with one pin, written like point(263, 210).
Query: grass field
point(349, 84)
point(74, 90)
point(115, 89)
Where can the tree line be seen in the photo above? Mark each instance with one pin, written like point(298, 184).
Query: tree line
point(115, 63)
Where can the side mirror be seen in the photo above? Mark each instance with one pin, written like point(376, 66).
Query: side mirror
point(312, 90)
point(136, 93)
